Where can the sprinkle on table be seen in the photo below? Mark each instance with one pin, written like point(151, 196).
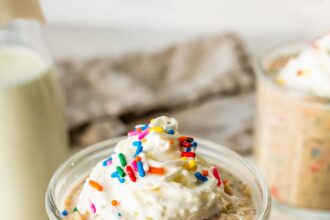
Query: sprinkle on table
point(122, 159)
point(95, 185)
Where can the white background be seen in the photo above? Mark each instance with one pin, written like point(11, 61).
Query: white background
point(259, 22)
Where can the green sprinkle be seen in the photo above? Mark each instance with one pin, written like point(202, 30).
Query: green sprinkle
point(122, 159)
point(75, 209)
point(120, 171)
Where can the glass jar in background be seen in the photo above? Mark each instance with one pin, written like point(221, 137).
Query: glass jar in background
point(292, 138)
point(75, 169)
point(32, 130)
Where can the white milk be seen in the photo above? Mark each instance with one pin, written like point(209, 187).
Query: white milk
point(32, 132)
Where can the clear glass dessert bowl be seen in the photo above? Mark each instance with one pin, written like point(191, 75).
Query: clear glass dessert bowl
point(77, 167)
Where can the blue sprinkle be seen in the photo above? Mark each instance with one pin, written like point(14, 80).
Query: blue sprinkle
point(199, 176)
point(138, 150)
point(188, 149)
point(144, 127)
point(105, 163)
point(171, 132)
point(194, 144)
point(140, 169)
point(64, 213)
point(121, 180)
point(137, 143)
point(116, 175)
point(119, 214)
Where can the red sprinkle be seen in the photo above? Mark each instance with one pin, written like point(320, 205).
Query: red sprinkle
point(183, 138)
point(130, 173)
point(188, 154)
point(205, 173)
point(216, 174)
point(185, 144)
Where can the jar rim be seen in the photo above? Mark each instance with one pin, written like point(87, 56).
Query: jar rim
point(53, 210)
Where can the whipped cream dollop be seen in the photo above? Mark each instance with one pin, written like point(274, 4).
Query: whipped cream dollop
point(153, 174)
point(309, 71)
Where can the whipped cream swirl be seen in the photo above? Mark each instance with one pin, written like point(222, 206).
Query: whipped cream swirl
point(310, 70)
point(168, 182)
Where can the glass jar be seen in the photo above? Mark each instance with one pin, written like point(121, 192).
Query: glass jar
point(33, 139)
point(78, 167)
point(292, 137)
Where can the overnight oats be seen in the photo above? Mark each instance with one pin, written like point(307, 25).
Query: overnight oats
point(156, 173)
point(293, 123)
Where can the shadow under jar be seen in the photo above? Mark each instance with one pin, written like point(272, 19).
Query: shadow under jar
point(292, 136)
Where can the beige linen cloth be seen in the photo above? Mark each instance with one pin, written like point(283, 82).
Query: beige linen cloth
point(204, 83)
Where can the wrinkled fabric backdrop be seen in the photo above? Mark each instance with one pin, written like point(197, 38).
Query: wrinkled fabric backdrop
point(207, 84)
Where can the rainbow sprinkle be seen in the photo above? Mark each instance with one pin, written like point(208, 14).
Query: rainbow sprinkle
point(64, 213)
point(139, 163)
point(95, 185)
point(122, 159)
point(199, 176)
point(216, 174)
point(140, 169)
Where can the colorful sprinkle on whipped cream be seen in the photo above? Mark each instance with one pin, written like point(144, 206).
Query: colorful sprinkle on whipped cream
point(310, 70)
point(155, 173)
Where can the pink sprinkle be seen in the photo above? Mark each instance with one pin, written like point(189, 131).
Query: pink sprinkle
point(143, 134)
point(134, 165)
point(132, 133)
point(216, 175)
point(93, 209)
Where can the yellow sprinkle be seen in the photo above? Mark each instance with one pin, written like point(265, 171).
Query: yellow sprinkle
point(280, 81)
point(152, 120)
point(183, 158)
point(144, 140)
point(136, 213)
point(192, 164)
point(157, 129)
point(149, 218)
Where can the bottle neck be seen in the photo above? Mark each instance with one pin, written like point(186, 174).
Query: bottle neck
point(20, 9)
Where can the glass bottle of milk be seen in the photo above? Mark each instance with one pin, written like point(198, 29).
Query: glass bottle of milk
point(32, 127)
